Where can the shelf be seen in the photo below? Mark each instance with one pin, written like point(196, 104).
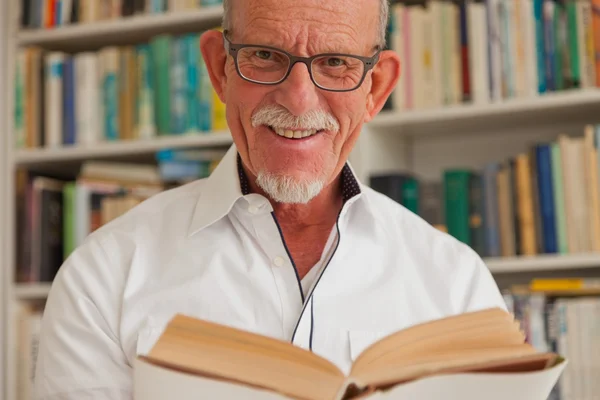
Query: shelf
point(121, 149)
point(546, 262)
point(33, 291)
point(545, 109)
point(127, 30)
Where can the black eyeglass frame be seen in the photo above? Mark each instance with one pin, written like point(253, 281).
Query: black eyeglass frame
point(233, 48)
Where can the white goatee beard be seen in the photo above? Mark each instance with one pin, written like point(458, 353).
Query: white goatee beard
point(284, 189)
point(281, 188)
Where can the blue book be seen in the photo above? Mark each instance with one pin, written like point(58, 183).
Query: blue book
point(546, 197)
point(192, 43)
point(490, 208)
point(69, 135)
point(57, 12)
point(538, 13)
point(178, 86)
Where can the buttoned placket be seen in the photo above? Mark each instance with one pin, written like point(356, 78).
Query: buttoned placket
point(260, 217)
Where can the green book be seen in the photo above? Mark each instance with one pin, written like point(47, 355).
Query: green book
point(561, 52)
point(410, 195)
point(559, 199)
point(161, 60)
point(573, 44)
point(68, 218)
point(456, 196)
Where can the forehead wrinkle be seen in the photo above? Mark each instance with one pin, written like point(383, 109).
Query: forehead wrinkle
point(307, 37)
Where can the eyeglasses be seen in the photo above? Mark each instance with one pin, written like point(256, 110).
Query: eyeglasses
point(270, 66)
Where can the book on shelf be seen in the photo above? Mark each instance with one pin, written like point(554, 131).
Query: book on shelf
point(116, 93)
point(27, 333)
point(542, 200)
point(56, 213)
point(484, 51)
point(562, 315)
point(52, 14)
point(469, 355)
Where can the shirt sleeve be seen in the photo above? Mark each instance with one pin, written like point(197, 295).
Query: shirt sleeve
point(80, 355)
point(474, 286)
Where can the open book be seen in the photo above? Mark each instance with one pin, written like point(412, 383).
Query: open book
point(484, 342)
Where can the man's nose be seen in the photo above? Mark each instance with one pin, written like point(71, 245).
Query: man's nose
point(298, 93)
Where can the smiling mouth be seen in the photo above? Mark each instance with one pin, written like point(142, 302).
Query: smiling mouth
point(295, 134)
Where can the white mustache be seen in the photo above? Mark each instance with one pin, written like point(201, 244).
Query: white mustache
point(279, 117)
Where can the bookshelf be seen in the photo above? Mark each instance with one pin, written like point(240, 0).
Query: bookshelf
point(424, 141)
point(121, 150)
point(38, 291)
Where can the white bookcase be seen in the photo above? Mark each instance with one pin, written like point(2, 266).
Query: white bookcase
point(424, 142)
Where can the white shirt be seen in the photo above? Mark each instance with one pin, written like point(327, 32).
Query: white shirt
point(209, 251)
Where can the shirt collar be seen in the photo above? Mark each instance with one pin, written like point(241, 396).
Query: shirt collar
point(228, 183)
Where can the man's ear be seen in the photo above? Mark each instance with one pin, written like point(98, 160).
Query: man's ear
point(213, 52)
point(384, 77)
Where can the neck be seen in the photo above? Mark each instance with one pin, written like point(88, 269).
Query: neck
point(321, 210)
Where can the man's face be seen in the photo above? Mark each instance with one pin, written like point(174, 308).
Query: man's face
point(302, 28)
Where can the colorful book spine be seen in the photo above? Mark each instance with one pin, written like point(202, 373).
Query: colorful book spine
point(204, 96)
point(145, 98)
point(456, 196)
point(538, 13)
point(178, 88)
point(559, 199)
point(491, 219)
point(546, 198)
point(20, 93)
point(476, 214)
point(596, 30)
point(192, 102)
point(69, 102)
point(110, 90)
point(160, 47)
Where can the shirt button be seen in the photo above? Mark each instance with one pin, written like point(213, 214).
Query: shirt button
point(279, 261)
point(253, 210)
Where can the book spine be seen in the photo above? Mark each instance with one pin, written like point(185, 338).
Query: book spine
point(596, 40)
point(21, 89)
point(145, 103)
point(110, 91)
point(491, 224)
point(410, 194)
point(476, 214)
point(546, 196)
point(538, 13)
point(69, 103)
point(161, 46)
point(192, 102)
point(178, 75)
point(559, 199)
point(456, 195)
point(525, 206)
point(464, 51)
point(204, 95)
point(53, 97)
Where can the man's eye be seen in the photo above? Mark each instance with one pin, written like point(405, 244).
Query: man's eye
point(263, 54)
point(335, 62)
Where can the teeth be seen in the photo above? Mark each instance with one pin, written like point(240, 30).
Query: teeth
point(294, 134)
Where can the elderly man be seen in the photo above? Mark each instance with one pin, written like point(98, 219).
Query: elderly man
point(281, 239)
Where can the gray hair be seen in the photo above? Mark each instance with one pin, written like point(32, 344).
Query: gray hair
point(384, 10)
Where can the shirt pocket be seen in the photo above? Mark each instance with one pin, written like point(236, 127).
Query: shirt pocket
point(360, 340)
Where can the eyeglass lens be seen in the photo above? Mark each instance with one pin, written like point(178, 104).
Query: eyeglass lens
point(270, 66)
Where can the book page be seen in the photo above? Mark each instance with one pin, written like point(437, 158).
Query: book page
point(477, 386)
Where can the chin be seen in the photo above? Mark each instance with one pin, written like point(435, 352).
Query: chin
point(287, 188)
